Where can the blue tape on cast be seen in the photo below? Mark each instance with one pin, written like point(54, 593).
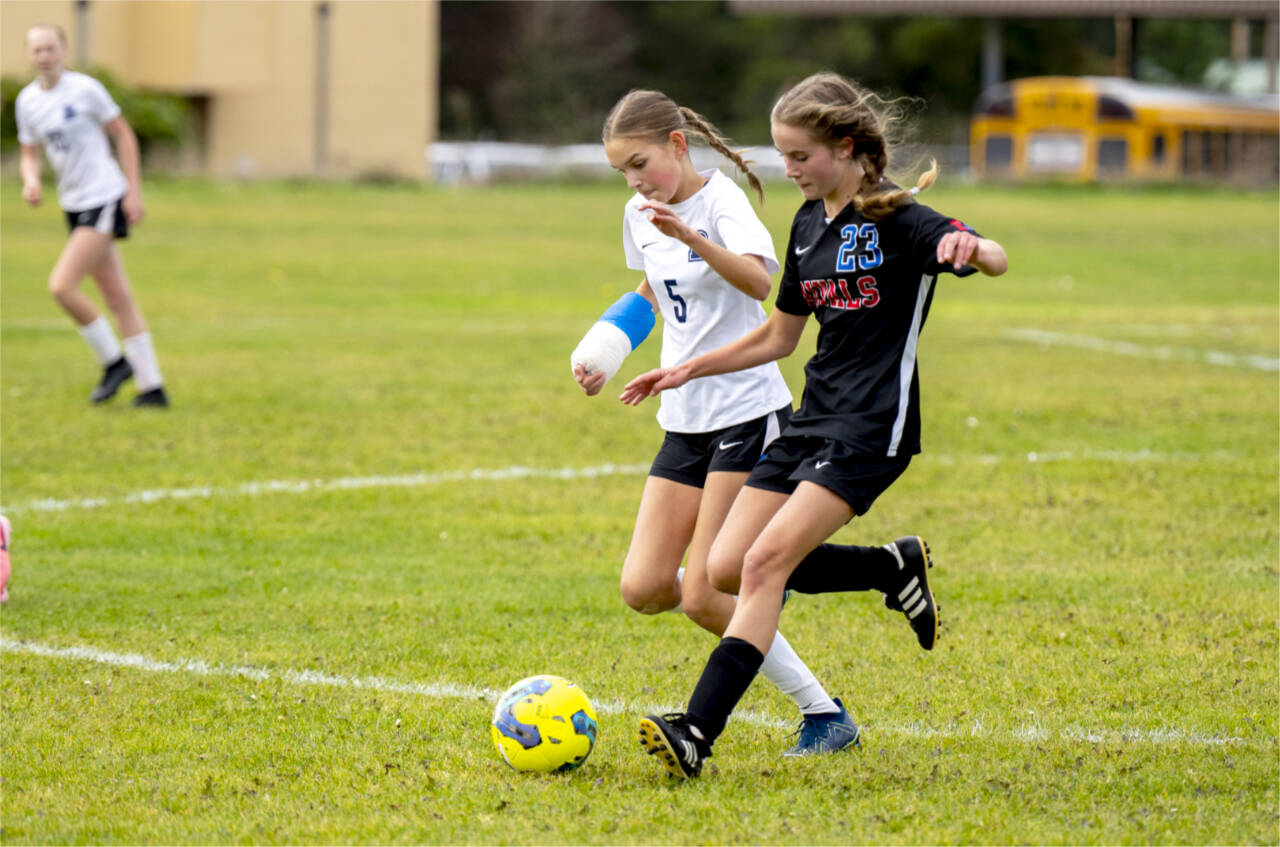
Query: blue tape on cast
point(633, 315)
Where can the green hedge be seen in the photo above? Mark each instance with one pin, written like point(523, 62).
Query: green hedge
point(156, 118)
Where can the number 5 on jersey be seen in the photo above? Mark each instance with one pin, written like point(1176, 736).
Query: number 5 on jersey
point(681, 307)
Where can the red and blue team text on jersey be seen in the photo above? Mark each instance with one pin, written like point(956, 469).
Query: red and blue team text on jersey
point(870, 285)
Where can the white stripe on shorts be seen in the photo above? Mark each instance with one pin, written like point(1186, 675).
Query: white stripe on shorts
point(107, 220)
point(771, 431)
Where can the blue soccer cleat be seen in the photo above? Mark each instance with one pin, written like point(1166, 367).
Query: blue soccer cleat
point(827, 733)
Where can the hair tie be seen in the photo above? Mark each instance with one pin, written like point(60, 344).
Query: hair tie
point(915, 189)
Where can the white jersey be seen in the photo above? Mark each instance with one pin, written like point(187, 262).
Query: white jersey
point(67, 119)
point(700, 311)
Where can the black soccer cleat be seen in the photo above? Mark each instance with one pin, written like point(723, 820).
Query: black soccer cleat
point(154, 397)
point(113, 376)
point(671, 738)
point(911, 594)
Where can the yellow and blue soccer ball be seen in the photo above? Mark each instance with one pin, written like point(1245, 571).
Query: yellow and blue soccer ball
point(544, 723)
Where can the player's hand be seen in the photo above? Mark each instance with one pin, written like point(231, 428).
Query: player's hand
point(667, 221)
point(134, 210)
point(957, 248)
point(650, 384)
point(591, 381)
point(32, 193)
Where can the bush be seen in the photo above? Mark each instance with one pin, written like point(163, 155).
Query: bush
point(156, 118)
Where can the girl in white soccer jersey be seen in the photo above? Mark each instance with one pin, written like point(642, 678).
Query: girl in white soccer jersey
point(66, 113)
point(706, 260)
point(862, 258)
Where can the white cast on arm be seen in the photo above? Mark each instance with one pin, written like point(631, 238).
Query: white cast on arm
point(612, 338)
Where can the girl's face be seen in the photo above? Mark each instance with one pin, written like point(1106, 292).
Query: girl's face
point(656, 170)
point(45, 50)
point(819, 170)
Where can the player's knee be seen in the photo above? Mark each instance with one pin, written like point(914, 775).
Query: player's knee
point(60, 284)
point(761, 568)
point(724, 570)
point(643, 595)
point(698, 603)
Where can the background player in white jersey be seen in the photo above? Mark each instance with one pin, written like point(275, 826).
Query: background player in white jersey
point(862, 258)
point(706, 259)
point(66, 113)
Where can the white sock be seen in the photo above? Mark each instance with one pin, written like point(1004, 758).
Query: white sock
point(678, 608)
point(793, 678)
point(142, 356)
point(101, 340)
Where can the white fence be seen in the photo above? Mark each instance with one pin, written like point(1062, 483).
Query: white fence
point(453, 162)
point(466, 162)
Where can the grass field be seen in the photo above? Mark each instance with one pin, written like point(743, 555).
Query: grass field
point(281, 611)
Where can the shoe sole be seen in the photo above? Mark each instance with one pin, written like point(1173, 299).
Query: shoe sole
point(655, 743)
point(856, 741)
point(927, 594)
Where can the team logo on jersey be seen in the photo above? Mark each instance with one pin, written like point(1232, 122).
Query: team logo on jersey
point(836, 294)
point(69, 112)
point(694, 257)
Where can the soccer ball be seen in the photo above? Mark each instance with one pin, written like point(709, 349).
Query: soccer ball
point(544, 723)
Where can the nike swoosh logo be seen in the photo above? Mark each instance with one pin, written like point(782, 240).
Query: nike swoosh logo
point(800, 251)
point(724, 446)
point(647, 246)
point(817, 466)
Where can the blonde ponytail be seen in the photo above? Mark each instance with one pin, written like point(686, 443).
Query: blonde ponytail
point(877, 205)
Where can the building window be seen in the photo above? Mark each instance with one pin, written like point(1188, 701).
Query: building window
point(1157, 149)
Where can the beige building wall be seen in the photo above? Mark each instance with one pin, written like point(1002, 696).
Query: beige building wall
point(284, 87)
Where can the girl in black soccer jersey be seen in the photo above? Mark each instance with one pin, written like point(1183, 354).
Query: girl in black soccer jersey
point(862, 258)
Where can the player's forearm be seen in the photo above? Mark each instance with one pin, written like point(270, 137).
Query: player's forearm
point(745, 273)
point(990, 258)
point(130, 157)
point(765, 343)
point(29, 166)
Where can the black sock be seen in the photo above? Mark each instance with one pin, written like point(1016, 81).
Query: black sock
point(839, 567)
point(727, 676)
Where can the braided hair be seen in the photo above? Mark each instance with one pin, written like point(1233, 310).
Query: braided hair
point(654, 115)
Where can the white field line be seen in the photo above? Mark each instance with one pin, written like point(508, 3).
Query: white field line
point(304, 486)
point(975, 728)
point(1125, 348)
point(415, 480)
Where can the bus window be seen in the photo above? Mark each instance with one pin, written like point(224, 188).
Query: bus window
point(1110, 107)
point(999, 152)
point(1055, 151)
point(1113, 155)
point(1157, 148)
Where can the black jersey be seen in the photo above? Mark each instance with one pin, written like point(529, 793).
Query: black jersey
point(870, 285)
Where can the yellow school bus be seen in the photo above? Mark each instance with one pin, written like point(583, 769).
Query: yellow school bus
point(1089, 128)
